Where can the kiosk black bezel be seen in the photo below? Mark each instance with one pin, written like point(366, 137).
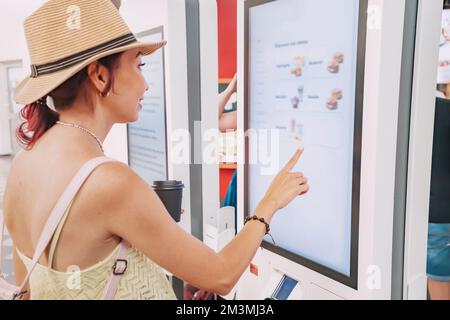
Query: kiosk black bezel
point(352, 280)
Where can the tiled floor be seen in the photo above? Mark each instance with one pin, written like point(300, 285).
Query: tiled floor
point(5, 163)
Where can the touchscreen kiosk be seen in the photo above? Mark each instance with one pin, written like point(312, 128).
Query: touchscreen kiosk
point(305, 86)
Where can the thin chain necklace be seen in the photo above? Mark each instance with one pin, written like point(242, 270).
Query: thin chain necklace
point(83, 129)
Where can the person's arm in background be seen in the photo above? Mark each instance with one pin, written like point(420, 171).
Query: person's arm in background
point(447, 91)
point(227, 121)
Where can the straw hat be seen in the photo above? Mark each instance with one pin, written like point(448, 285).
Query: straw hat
point(64, 36)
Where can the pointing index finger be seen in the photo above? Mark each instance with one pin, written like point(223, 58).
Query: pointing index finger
point(291, 163)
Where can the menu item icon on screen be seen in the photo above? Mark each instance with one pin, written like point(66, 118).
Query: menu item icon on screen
point(337, 94)
point(297, 71)
point(296, 130)
point(300, 90)
point(299, 61)
point(333, 101)
point(339, 57)
point(334, 65)
point(299, 64)
point(295, 101)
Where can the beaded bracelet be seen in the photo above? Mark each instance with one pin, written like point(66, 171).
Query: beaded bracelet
point(251, 218)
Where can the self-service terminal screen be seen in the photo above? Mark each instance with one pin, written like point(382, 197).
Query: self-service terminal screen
point(304, 74)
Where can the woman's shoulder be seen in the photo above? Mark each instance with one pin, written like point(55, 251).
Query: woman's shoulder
point(17, 166)
point(114, 182)
point(18, 159)
point(106, 180)
point(112, 174)
point(109, 184)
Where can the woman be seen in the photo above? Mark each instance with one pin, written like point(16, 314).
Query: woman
point(94, 82)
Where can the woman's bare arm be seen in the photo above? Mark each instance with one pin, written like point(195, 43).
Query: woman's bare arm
point(134, 212)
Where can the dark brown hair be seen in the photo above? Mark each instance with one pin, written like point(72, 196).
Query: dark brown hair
point(38, 118)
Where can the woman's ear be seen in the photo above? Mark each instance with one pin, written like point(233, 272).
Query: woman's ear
point(99, 76)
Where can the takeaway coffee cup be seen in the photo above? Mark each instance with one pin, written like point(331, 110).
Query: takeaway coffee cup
point(171, 193)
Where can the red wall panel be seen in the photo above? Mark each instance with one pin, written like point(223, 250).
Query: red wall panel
point(227, 19)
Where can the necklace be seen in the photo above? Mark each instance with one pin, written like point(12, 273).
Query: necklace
point(83, 129)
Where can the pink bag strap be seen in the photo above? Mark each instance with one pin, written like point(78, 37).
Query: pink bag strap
point(119, 269)
point(58, 213)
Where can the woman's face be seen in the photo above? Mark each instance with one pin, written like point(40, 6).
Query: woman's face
point(129, 86)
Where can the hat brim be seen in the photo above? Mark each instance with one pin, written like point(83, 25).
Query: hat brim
point(31, 89)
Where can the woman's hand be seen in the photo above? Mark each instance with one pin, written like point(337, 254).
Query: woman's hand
point(287, 185)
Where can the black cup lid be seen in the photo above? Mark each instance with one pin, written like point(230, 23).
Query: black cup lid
point(168, 184)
